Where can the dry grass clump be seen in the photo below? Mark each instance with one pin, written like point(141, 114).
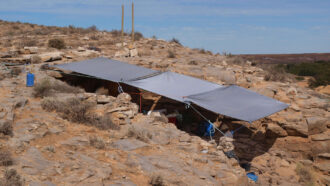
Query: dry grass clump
point(139, 133)
point(116, 33)
point(11, 178)
point(56, 43)
point(76, 110)
point(157, 180)
point(306, 175)
point(236, 60)
point(5, 158)
point(71, 29)
point(97, 142)
point(171, 54)
point(274, 73)
point(50, 149)
point(46, 87)
point(6, 128)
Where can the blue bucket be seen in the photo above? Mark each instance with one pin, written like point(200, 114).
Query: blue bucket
point(29, 80)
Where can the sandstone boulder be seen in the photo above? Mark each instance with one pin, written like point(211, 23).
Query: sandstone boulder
point(31, 50)
point(133, 53)
point(316, 125)
point(103, 99)
point(51, 56)
point(129, 144)
point(275, 130)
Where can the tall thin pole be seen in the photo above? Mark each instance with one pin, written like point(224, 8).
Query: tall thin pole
point(122, 21)
point(132, 21)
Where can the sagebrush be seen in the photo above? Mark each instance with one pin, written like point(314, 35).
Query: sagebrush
point(77, 110)
point(56, 43)
point(47, 87)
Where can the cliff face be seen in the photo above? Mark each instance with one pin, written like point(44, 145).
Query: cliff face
point(48, 145)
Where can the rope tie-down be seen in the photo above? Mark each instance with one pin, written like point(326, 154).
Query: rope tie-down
point(188, 105)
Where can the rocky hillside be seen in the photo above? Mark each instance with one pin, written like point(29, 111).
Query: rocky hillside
point(55, 134)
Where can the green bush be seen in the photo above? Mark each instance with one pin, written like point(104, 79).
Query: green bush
point(320, 71)
point(56, 43)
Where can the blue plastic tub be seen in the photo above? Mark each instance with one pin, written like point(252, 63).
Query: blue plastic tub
point(252, 176)
point(29, 80)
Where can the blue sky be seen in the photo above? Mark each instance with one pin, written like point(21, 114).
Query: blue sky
point(236, 26)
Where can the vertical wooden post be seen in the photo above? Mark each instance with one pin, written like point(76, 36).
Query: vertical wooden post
point(122, 21)
point(132, 21)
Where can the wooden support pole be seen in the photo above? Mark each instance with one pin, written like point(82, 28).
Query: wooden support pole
point(132, 21)
point(155, 103)
point(122, 21)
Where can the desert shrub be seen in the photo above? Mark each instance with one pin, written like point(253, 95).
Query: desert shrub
point(35, 59)
point(306, 174)
point(193, 62)
point(46, 87)
point(11, 178)
point(15, 27)
point(171, 54)
point(299, 78)
point(10, 33)
point(104, 122)
point(28, 42)
point(228, 54)
point(236, 60)
point(92, 28)
point(94, 37)
point(175, 40)
point(7, 43)
point(42, 89)
point(15, 71)
point(73, 109)
point(157, 180)
point(56, 43)
point(202, 51)
point(94, 48)
point(97, 142)
point(5, 158)
point(76, 110)
point(138, 36)
point(51, 104)
point(115, 33)
point(6, 128)
point(274, 73)
point(139, 133)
